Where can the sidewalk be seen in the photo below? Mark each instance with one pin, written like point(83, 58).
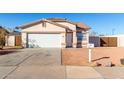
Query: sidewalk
point(61, 72)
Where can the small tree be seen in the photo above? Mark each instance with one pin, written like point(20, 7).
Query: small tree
point(3, 34)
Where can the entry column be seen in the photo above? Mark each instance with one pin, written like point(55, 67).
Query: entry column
point(85, 40)
point(63, 40)
point(74, 39)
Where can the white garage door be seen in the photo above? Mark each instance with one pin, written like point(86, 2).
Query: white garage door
point(44, 40)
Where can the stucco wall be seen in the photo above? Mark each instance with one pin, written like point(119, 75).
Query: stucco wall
point(120, 41)
point(11, 41)
point(71, 26)
point(39, 28)
point(24, 39)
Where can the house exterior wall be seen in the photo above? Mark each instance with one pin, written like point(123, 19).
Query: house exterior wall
point(71, 26)
point(24, 39)
point(48, 28)
point(120, 41)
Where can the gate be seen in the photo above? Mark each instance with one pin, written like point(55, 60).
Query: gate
point(108, 41)
point(18, 40)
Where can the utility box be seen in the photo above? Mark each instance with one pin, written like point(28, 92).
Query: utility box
point(91, 45)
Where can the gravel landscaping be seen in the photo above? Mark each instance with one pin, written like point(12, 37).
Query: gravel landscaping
point(79, 56)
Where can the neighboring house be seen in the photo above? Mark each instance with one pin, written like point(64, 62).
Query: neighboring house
point(9, 37)
point(13, 39)
point(55, 32)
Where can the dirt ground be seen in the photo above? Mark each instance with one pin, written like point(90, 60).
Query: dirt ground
point(79, 56)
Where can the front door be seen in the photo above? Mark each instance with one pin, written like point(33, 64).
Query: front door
point(69, 39)
point(18, 40)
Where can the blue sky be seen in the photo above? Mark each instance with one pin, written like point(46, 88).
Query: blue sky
point(102, 23)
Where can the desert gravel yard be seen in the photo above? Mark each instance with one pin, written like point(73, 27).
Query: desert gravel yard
point(79, 56)
point(46, 64)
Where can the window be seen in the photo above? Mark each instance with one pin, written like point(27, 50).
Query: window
point(79, 36)
point(84, 36)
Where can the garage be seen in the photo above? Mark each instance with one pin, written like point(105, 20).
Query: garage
point(44, 40)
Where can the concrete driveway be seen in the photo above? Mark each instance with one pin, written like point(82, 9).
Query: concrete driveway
point(31, 63)
point(46, 64)
point(32, 57)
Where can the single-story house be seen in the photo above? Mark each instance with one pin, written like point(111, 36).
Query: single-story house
point(13, 39)
point(54, 32)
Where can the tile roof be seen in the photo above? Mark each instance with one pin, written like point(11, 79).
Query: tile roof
point(40, 21)
point(78, 24)
point(29, 24)
point(54, 21)
point(83, 26)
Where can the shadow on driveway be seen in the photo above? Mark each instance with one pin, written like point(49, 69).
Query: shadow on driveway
point(4, 52)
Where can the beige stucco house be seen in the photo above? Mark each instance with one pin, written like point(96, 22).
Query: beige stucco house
point(55, 33)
